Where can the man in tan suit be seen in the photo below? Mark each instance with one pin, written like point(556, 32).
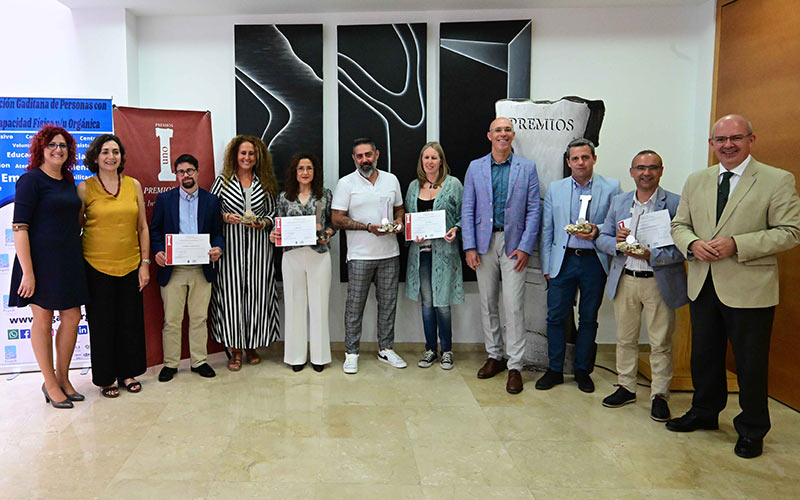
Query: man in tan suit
point(732, 220)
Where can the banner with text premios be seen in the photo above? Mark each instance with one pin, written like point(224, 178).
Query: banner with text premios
point(20, 119)
point(153, 139)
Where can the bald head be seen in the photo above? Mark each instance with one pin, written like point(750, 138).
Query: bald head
point(731, 140)
point(501, 134)
point(734, 119)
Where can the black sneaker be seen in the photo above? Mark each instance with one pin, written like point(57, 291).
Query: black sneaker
point(166, 374)
point(621, 397)
point(549, 380)
point(584, 381)
point(205, 371)
point(659, 411)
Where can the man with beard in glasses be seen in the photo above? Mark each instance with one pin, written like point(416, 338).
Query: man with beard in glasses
point(187, 209)
point(368, 205)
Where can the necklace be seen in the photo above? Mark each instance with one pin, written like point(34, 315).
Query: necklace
point(431, 185)
point(119, 184)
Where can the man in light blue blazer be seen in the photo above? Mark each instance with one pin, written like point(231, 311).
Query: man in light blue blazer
point(654, 282)
point(571, 262)
point(500, 223)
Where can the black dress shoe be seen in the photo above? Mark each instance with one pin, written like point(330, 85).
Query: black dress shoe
point(297, 368)
point(549, 380)
point(205, 371)
point(584, 381)
point(166, 374)
point(748, 447)
point(317, 368)
point(691, 422)
point(659, 409)
point(621, 397)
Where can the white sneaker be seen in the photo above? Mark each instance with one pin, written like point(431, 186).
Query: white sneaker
point(350, 363)
point(427, 359)
point(447, 360)
point(390, 357)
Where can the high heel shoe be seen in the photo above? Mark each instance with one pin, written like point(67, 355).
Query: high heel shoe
point(75, 396)
point(56, 404)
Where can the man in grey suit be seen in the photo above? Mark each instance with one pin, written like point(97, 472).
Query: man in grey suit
point(570, 262)
point(654, 281)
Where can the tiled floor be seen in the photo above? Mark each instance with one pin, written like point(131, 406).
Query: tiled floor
point(267, 432)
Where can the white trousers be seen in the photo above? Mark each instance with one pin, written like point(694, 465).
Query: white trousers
point(495, 264)
point(306, 290)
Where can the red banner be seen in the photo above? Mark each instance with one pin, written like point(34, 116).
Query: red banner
point(153, 138)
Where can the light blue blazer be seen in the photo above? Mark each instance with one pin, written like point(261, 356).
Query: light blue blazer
point(667, 262)
point(556, 215)
point(521, 219)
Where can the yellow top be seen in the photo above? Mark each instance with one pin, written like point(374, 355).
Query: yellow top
point(110, 236)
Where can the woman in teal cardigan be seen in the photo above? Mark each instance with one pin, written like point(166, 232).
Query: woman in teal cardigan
point(433, 274)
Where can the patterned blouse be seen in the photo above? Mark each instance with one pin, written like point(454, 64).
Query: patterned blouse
point(294, 208)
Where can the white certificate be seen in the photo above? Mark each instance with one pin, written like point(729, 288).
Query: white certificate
point(296, 231)
point(653, 230)
point(428, 225)
point(187, 249)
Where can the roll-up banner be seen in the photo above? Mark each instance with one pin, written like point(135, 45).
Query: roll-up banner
point(20, 119)
point(153, 139)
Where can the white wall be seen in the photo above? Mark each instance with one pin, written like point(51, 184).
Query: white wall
point(651, 65)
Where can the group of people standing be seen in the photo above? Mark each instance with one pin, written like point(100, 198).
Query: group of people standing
point(104, 246)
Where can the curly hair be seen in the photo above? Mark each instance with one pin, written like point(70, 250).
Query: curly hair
point(90, 161)
point(262, 169)
point(40, 142)
point(444, 169)
point(293, 187)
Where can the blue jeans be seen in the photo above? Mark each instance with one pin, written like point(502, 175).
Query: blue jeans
point(584, 273)
point(433, 316)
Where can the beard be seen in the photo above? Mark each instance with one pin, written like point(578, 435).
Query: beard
point(188, 183)
point(366, 169)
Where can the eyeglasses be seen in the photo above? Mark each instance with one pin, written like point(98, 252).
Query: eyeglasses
point(497, 130)
point(722, 139)
point(188, 171)
point(56, 145)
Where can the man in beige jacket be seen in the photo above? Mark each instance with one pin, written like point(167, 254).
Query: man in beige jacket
point(732, 220)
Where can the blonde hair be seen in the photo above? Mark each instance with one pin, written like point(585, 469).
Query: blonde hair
point(262, 169)
point(444, 169)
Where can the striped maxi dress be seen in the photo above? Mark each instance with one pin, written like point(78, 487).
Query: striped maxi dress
point(244, 300)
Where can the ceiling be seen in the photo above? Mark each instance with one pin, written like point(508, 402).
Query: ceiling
point(238, 7)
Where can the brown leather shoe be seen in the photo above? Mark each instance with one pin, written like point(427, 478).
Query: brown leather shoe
point(514, 384)
point(491, 368)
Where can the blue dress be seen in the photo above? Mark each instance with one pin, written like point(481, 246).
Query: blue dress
point(50, 207)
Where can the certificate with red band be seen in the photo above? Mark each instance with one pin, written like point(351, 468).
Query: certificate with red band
point(427, 225)
point(296, 231)
point(187, 249)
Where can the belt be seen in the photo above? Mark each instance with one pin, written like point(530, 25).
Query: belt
point(580, 252)
point(639, 274)
point(497, 229)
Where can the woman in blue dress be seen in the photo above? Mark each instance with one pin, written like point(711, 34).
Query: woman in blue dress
point(48, 273)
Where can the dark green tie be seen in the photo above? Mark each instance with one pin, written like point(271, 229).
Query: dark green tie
point(722, 193)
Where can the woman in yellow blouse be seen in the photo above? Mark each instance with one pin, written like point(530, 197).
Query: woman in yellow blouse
point(116, 246)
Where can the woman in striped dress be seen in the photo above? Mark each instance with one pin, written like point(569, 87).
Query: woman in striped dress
point(244, 301)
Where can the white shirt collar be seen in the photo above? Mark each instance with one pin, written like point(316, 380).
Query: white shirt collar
point(739, 170)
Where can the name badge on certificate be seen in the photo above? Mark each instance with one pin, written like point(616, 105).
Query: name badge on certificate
point(296, 231)
point(429, 225)
point(187, 249)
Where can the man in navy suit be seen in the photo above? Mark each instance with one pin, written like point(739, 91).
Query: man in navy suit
point(571, 263)
point(186, 210)
point(500, 223)
point(654, 281)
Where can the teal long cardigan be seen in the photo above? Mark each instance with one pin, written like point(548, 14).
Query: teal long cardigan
point(446, 277)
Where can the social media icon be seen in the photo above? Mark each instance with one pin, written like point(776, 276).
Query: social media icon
point(24, 334)
point(83, 330)
point(13, 334)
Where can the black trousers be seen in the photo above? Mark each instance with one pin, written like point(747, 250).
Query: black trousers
point(748, 329)
point(116, 326)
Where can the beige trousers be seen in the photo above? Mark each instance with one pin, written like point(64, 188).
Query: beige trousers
point(635, 295)
point(187, 287)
